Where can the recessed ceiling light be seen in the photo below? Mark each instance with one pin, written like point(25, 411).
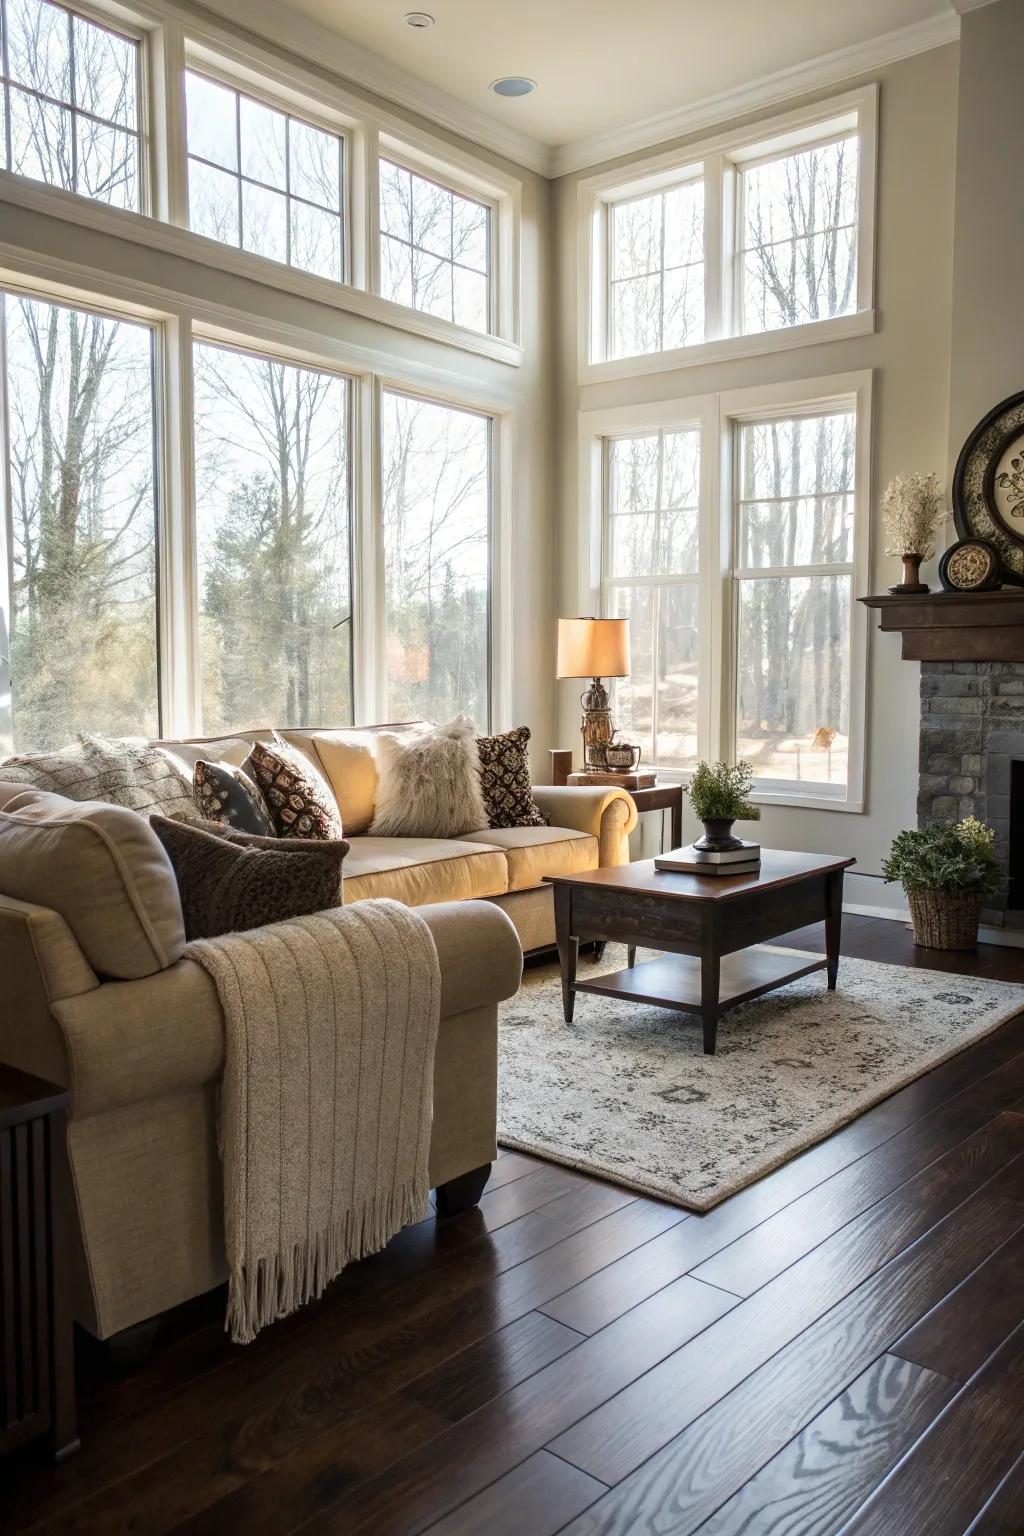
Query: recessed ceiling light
point(513, 85)
point(420, 19)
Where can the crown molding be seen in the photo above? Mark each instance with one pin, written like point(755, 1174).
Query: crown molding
point(306, 38)
point(769, 91)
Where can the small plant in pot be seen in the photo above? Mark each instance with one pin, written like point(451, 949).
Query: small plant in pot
point(718, 793)
point(947, 869)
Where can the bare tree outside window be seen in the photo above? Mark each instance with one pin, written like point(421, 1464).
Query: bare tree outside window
point(263, 180)
point(434, 248)
point(272, 529)
point(80, 524)
point(798, 260)
point(436, 510)
point(652, 566)
point(794, 576)
point(656, 271)
point(70, 96)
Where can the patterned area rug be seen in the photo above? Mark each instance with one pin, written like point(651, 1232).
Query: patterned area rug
point(625, 1091)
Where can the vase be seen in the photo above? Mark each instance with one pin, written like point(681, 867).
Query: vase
point(718, 837)
point(911, 582)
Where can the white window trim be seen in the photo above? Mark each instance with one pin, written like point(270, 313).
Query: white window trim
point(176, 42)
point(369, 371)
point(716, 416)
point(717, 160)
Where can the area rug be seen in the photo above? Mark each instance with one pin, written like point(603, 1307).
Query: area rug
point(625, 1091)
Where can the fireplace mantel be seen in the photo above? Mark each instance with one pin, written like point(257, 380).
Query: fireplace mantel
point(955, 626)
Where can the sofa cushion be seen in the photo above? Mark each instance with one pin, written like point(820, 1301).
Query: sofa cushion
point(103, 869)
point(349, 760)
point(429, 782)
point(420, 870)
point(533, 852)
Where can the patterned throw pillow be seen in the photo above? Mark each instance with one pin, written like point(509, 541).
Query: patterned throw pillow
point(299, 800)
point(227, 888)
point(505, 780)
point(227, 794)
point(128, 773)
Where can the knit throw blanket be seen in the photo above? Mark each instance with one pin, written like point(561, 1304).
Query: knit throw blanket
point(326, 1103)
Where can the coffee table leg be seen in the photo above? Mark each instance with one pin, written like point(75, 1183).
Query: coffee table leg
point(631, 955)
point(833, 925)
point(568, 948)
point(710, 974)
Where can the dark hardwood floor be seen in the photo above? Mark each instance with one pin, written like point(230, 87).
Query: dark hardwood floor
point(838, 1348)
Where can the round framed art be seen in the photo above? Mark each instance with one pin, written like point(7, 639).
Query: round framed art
point(970, 565)
point(988, 486)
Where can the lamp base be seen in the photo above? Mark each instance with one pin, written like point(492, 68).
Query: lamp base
point(596, 726)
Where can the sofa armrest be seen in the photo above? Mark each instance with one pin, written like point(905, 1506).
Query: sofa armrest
point(479, 952)
point(607, 814)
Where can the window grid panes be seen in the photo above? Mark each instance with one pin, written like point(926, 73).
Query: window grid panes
point(435, 248)
point(80, 525)
point(651, 563)
point(273, 539)
point(656, 271)
point(797, 260)
point(70, 102)
point(794, 565)
point(264, 180)
point(436, 507)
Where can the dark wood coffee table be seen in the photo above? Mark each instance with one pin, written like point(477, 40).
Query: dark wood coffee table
point(705, 922)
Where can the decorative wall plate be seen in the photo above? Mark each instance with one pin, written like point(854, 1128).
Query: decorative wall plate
point(988, 485)
point(970, 565)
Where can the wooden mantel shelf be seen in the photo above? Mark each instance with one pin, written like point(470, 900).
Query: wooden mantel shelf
point(955, 626)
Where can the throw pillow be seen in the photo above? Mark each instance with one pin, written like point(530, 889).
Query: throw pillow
point(128, 773)
point(226, 887)
point(505, 780)
point(429, 783)
point(299, 799)
point(227, 794)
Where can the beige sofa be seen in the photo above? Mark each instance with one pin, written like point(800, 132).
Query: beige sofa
point(95, 993)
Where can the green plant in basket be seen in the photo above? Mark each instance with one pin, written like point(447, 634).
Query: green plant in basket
point(718, 792)
point(945, 856)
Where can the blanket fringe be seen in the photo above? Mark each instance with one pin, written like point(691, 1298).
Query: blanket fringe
point(278, 1283)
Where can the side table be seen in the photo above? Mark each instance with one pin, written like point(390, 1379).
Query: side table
point(37, 1376)
point(662, 797)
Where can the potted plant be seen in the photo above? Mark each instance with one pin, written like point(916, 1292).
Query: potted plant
point(718, 793)
point(947, 869)
point(912, 512)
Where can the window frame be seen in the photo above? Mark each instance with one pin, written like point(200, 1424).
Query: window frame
point(718, 417)
point(607, 322)
point(719, 162)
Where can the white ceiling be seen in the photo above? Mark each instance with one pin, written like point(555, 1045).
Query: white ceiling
point(600, 65)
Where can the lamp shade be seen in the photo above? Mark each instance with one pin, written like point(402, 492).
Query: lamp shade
point(593, 648)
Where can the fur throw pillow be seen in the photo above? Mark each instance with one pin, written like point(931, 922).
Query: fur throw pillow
point(429, 783)
point(227, 886)
point(505, 780)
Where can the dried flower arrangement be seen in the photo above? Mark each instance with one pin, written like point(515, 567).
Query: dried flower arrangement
point(913, 513)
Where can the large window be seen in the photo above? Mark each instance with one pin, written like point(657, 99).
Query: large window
point(272, 530)
point(436, 516)
point(70, 102)
point(79, 521)
point(794, 564)
point(263, 180)
point(798, 260)
point(652, 567)
point(656, 280)
point(434, 248)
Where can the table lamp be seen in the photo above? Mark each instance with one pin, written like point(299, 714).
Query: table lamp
point(594, 648)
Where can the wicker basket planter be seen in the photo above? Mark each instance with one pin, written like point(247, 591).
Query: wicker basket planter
point(945, 919)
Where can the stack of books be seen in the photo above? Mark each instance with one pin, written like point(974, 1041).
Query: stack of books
point(606, 777)
point(745, 860)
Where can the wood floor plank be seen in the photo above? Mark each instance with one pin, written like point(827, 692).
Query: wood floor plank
point(539, 1496)
point(432, 1482)
point(967, 1326)
point(1003, 1515)
point(527, 1194)
point(822, 1476)
point(622, 1434)
point(765, 1252)
point(943, 1484)
point(685, 1482)
point(472, 1377)
point(599, 1300)
point(509, 1168)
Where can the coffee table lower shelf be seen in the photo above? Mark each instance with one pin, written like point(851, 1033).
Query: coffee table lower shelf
point(674, 981)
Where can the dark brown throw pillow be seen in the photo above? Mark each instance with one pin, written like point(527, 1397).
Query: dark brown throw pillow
point(227, 886)
point(300, 801)
point(227, 794)
point(505, 780)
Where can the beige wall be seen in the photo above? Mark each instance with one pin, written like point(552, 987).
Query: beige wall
point(527, 390)
point(987, 361)
point(910, 355)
